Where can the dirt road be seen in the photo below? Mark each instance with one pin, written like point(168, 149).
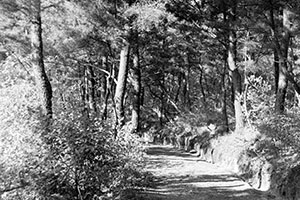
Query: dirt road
point(181, 176)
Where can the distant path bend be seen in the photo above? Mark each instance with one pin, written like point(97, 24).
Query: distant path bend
point(182, 176)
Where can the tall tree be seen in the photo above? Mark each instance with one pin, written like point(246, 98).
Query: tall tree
point(217, 20)
point(280, 56)
point(136, 82)
point(234, 71)
point(17, 14)
point(121, 84)
point(283, 25)
point(42, 81)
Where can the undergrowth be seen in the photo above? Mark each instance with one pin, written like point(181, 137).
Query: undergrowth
point(78, 157)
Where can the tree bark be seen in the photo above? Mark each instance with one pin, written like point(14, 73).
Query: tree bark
point(179, 77)
point(121, 86)
point(107, 88)
point(276, 53)
point(224, 108)
point(202, 88)
point(282, 50)
point(237, 86)
point(276, 70)
point(83, 90)
point(186, 89)
point(162, 108)
point(282, 87)
point(42, 81)
point(91, 88)
point(235, 74)
point(162, 99)
point(136, 82)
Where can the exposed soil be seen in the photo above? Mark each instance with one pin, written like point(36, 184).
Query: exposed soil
point(182, 176)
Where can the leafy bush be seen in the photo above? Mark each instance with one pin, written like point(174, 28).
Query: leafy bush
point(284, 130)
point(21, 148)
point(78, 158)
point(260, 99)
point(86, 161)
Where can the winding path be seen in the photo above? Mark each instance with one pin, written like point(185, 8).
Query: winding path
point(181, 176)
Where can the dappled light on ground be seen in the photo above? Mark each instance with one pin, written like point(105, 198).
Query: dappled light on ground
point(182, 176)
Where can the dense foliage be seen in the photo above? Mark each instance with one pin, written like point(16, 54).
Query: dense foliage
point(77, 158)
point(81, 82)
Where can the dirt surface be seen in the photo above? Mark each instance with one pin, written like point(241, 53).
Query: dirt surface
point(182, 176)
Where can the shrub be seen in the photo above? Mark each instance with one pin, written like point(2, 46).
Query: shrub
point(78, 158)
point(21, 148)
point(86, 161)
point(260, 99)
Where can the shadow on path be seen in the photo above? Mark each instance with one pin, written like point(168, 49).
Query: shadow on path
point(180, 176)
point(166, 151)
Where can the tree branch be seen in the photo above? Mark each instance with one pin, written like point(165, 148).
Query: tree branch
point(13, 188)
point(290, 77)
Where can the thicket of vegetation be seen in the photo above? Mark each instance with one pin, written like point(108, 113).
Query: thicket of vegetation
point(81, 81)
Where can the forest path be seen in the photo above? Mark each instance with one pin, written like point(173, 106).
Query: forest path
point(181, 176)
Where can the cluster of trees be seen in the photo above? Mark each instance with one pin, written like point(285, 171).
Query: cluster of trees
point(138, 62)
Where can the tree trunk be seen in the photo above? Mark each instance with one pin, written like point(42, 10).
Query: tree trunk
point(186, 94)
point(237, 86)
point(84, 91)
point(121, 86)
point(142, 96)
point(282, 88)
point(161, 109)
point(179, 77)
point(104, 85)
point(235, 74)
point(107, 89)
point(276, 56)
point(283, 56)
point(276, 70)
point(91, 88)
point(136, 82)
point(42, 81)
point(224, 108)
point(162, 99)
point(202, 87)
